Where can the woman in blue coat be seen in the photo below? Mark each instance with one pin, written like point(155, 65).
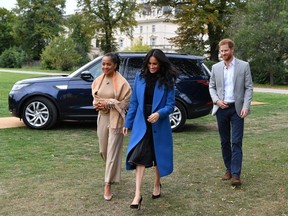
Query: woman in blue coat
point(151, 103)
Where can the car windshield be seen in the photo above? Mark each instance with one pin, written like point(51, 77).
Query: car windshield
point(92, 67)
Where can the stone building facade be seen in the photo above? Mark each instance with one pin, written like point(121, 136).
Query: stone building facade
point(152, 29)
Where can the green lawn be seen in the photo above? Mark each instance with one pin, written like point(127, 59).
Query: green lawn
point(59, 171)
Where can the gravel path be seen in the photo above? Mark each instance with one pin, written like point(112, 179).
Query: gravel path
point(10, 122)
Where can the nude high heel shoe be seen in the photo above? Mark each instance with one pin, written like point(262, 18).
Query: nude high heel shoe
point(107, 197)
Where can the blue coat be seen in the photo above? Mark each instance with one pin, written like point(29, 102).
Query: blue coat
point(163, 103)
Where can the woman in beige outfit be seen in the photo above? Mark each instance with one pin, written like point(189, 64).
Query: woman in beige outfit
point(111, 93)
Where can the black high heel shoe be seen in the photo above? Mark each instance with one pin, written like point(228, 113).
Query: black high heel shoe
point(136, 206)
point(157, 196)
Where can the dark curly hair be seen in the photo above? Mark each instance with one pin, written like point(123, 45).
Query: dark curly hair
point(166, 74)
point(115, 58)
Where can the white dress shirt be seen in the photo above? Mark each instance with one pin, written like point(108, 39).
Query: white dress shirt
point(228, 82)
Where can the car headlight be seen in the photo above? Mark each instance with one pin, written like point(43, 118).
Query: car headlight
point(17, 87)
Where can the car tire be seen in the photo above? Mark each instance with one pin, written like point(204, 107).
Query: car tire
point(39, 113)
point(178, 117)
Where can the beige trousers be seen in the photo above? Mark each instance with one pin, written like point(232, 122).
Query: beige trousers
point(110, 148)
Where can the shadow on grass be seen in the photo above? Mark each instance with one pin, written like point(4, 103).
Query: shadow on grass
point(75, 125)
point(79, 125)
point(189, 127)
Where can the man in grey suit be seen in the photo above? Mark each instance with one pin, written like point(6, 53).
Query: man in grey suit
point(231, 90)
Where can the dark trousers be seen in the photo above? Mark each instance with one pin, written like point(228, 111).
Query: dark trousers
point(230, 123)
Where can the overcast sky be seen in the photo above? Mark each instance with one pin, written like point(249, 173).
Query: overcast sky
point(71, 5)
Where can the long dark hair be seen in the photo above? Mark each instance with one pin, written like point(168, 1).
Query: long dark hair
point(115, 58)
point(166, 74)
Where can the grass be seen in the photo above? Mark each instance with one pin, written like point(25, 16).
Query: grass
point(59, 171)
point(271, 86)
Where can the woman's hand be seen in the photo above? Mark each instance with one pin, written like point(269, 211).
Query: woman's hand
point(125, 131)
point(153, 117)
point(100, 105)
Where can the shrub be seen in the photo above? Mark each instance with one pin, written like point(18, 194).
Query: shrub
point(60, 54)
point(12, 58)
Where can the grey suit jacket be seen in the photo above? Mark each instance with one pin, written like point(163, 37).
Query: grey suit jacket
point(243, 86)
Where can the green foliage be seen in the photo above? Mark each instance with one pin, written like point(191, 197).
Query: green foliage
point(109, 16)
point(81, 30)
point(209, 64)
point(37, 23)
point(190, 50)
point(138, 47)
point(12, 58)
point(60, 54)
point(6, 29)
point(199, 19)
point(261, 38)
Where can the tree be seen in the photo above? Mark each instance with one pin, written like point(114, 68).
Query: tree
point(6, 29)
point(38, 22)
point(109, 15)
point(261, 37)
point(138, 47)
point(81, 30)
point(202, 24)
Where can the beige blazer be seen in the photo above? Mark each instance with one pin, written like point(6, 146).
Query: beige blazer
point(243, 86)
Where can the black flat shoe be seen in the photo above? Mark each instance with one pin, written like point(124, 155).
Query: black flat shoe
point(136, 206)
point(157, 196)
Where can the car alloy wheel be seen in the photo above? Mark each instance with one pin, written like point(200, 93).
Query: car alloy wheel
point(39, 113)
point(178, 117)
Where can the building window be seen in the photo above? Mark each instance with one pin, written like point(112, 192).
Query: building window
point(98, 44)
point(95, 43)
point(121, 43)
point(152, 41)
point(141, 29)
point(153, 28)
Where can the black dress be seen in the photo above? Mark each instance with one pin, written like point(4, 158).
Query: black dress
point(143, 153)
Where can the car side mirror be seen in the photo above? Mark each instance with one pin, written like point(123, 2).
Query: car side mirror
point(86, 75)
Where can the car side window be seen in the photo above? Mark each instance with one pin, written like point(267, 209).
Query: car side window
point(188, 67)
point(95, 69)
point(133, 66)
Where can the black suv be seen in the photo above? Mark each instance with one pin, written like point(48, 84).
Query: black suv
point(41, 102)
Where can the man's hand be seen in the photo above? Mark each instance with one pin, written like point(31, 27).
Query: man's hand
point(222, 104)
point(244, 113)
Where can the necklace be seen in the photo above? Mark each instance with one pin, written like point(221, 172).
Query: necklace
point(108, 80)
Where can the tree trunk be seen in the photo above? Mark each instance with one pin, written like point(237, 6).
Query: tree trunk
point(271, 78)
